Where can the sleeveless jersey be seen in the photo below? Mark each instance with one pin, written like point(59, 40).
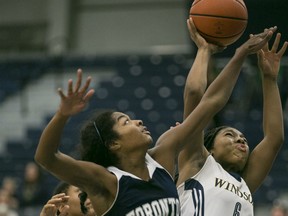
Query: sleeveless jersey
point(136, 197)
point(215, 192)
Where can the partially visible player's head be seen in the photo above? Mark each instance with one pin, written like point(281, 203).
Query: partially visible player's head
point(86, 206)
point(75, 208)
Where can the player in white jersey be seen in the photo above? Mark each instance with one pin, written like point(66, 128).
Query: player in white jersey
point(223, 194)
point(217, 174)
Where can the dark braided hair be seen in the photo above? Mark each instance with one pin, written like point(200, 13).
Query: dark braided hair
point(210, 135)
point(96, 136)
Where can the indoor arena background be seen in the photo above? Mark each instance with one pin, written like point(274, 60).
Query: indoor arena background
point(138, 53)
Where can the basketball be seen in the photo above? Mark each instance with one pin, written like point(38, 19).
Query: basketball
point(220, 22)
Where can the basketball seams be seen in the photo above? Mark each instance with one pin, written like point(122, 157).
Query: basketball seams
point(195, 2)
point(223, 37)
point(220, 22)
point(242, 4)
point(217, 16)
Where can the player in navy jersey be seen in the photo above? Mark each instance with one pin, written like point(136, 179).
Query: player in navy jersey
point(216, 172)
point(118, 174)
point(118, 170)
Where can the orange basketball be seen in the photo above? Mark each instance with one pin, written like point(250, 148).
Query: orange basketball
point(221, 22)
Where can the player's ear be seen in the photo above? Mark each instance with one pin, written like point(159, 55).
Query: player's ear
point(114, 146)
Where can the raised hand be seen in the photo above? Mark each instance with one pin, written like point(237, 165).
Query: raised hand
point(77, 97)
point(269, 59)
point(257, 42)
point(51, 207)
point(199, 40)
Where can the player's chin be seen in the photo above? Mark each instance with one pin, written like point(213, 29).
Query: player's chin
point(151, 140)
point(240, 158)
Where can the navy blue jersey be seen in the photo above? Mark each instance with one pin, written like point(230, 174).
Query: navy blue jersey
point(136, 197)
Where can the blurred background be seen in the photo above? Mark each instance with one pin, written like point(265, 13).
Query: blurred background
point(138, 53)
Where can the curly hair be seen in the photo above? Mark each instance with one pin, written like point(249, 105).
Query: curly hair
point(96, 136)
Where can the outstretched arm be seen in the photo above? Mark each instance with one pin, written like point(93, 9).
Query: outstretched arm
point(196, 81)
point(262, 157)
point(212, 102)
point(47, 154)
point(196, 84)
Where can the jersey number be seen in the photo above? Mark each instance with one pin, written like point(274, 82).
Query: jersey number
point(237, 209)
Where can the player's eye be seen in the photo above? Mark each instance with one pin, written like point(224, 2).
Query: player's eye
point(228, 134)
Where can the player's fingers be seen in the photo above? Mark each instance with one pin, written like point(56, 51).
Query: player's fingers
point(265, 47)
point(268, 36)
point(264, 33)
point(259, 44)
point(191, 27)
point(70, 86)
point(86, 86)
point(79, 80)
point(276, 43)
point(65, 198)
point(49, 206)
point(260, 55)
point(89, 94)
point(60, 92)
point(283, 49)
point(273, 29)
point(49, 209)
point(54, 201)
point(59, 195)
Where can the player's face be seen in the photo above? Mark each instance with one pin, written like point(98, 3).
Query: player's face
point(90, 210)
point(231, 149)
point(133, 133)
point(74, 201)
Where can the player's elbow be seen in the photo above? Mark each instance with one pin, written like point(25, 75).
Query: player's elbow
point(276, 142)
point(39, 160)
point(278, 137)
point(195, 91)
point(280, 140)
point(44, 160)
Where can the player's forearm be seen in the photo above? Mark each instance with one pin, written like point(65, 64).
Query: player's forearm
point(214, 99)
point(196, 81)
point(272, 110)
point(50, 140)
point(221, 88)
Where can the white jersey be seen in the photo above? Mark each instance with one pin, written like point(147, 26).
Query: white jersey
point(215, 192)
